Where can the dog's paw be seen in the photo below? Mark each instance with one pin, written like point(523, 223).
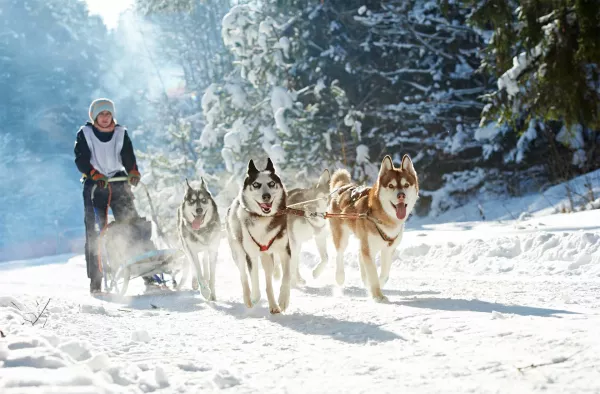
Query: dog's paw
point(284, 298)
point(318, 270)
point(213, 294)
point(255, 300)
point(300, 280)
point(295, 282)
point(340, 277)
point(206, 293)
point(381, 299)
point(274, 310)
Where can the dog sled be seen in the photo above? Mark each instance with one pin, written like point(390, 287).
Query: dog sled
point(126, 252)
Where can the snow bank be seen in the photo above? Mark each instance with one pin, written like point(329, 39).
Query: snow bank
point(35, 360)
point(445, 207)
point(32, 363)
point(540, 253)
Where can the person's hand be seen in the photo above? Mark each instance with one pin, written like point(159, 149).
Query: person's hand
point(134, 177)
point(100, 179)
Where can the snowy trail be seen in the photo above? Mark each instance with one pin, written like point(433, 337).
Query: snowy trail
point(454, 326)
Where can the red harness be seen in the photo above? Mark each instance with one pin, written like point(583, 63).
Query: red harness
point(264, 248)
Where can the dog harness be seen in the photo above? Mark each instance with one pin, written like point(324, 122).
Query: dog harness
point(264, 248)
point(383, 235)
point(356, 193)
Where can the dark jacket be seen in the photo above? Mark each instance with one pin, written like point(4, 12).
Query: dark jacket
point(83, 153)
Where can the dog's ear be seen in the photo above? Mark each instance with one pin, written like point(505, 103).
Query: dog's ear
point(252, 170)
point(204, 186)
point(270, 166)
point(386, 165)
point(407, 164)
point(188, 184)
point(324, 180)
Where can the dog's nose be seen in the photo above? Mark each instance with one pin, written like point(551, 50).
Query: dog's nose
point(401, 196)
point(199, 211)
point(266, 197)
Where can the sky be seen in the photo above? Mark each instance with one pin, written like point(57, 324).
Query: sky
point(109, 10)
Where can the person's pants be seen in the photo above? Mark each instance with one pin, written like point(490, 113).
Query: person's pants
point(96, 216)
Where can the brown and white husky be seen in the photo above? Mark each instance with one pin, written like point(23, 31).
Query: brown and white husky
point(385, 206)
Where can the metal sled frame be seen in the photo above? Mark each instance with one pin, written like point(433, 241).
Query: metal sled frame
point(154, 263)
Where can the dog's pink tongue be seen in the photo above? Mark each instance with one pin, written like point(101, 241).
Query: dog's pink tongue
point(265, 206)
point(401, 211)
point(197, 222)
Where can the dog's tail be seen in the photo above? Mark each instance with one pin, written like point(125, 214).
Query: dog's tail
point(340, 178)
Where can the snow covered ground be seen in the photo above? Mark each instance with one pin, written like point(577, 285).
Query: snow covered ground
point(470, 304)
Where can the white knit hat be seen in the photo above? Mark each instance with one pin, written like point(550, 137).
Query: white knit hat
point(99, 105)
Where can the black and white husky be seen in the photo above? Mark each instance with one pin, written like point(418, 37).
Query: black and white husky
point(257, 229)
point(302, 229)
point(199, 230)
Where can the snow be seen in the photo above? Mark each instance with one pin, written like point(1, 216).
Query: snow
point(488, 132)
point(458, 141)
point(573, 139)
point(509, 80)
point(473, 305)
point(463, 181)
point(281, 122)
point(362, 154)
point(238, 96)
point(284, 44)
point(518, 153)
point(281, 98)
point(542, 203)
point(233, 27)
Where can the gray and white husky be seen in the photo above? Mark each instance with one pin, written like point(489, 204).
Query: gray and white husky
point(302, 229)
point(256, 228)
point(199, 229)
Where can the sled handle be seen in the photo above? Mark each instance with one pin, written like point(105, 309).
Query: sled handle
point(110, 180)
point(118, 179)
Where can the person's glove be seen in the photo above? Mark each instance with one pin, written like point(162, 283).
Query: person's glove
point(133, 177)
point(100, 179)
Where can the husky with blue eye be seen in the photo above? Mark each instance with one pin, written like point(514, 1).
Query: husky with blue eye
point(199, 228)
point(257, 228)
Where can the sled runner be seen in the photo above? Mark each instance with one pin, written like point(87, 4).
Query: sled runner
point(126, 251)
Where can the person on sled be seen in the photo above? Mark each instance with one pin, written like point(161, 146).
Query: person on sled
point(103, 150)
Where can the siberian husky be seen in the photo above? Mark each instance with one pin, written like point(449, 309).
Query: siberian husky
point(386, 207)
point(257, 227)
point(302, 229)
point(199, 229)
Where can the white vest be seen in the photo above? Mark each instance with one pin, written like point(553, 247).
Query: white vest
point(106, 156)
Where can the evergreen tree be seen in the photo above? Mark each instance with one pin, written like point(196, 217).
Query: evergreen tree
point(185, 41)
point(545, 55)
point(265, 108)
